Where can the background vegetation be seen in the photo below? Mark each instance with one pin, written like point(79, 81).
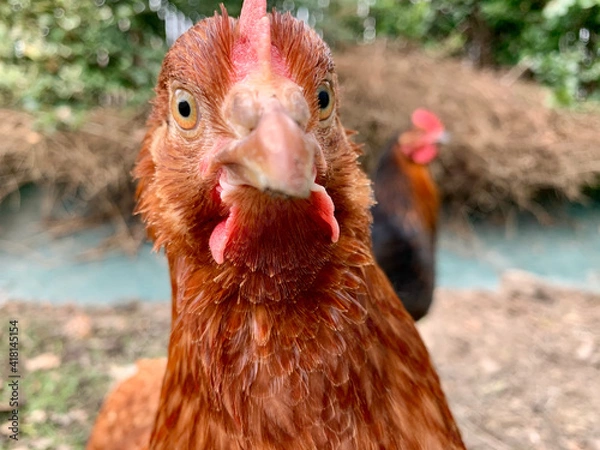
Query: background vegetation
point(61, 57)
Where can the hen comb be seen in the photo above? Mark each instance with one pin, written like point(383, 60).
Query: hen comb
point(255, 30)
point(427, 121)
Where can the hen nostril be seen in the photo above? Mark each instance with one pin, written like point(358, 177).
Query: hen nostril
point(298, 109)
point(243, 113)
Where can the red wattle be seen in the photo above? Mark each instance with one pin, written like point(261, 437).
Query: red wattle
point(424, 154)
point(219, 238)
point(324, 206)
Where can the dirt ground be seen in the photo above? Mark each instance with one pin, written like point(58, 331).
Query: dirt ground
point(521, 366)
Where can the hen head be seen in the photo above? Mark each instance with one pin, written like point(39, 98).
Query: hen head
point(245, 157)
point(419, 143)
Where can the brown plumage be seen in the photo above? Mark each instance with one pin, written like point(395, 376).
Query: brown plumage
point(127, 416)
point(285, 334)
point(406, 214)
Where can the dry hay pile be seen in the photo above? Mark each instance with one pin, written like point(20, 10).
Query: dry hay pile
point(88, 169)
point(506, 146)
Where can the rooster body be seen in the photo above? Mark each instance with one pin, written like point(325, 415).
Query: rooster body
point(285, 333)
point(406, 214)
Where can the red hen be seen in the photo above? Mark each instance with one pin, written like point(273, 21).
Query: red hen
point(285, 333)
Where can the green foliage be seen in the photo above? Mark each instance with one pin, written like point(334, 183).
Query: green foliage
point(61, 57)
point(559, 40)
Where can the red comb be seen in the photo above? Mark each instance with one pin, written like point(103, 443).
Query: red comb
point(427, 121)
point(255, 29)
point(252, 12)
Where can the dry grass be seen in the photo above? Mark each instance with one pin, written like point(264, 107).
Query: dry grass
point(88, 169)
point(90, 165)
point(507, 146)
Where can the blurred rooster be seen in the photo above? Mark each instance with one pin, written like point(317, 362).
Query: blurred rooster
point(406, 214)
point(285, 333)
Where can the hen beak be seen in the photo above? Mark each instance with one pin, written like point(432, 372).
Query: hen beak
point(444, 138)
point(276, 155)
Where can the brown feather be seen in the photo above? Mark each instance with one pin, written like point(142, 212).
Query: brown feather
point(128, 411)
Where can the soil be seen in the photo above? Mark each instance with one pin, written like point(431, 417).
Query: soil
point(520, 366)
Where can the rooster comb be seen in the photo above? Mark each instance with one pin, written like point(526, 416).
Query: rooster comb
point(427, 121)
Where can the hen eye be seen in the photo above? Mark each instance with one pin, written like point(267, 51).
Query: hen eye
point(184, 109)
point(325, 101)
